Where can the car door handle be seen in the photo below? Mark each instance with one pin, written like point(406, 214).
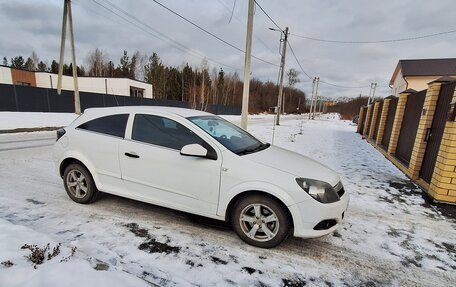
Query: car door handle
point(132, 154)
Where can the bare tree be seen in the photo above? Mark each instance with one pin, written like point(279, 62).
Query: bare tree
point(97, 63)
point(293, 77)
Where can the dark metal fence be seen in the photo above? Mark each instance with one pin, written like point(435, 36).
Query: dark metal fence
point(409, 127)
point(377, 120)
point(389, 123)
point(15, 98)
point(435, 133)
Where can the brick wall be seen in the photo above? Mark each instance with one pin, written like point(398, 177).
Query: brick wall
point(443, 183)
point(398, 122)
point(373, 120)
point(367, 121)
point(382, 124)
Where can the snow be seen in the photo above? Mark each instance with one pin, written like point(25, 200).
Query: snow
point(54, 272)
point(390, 235)
point(14, 120)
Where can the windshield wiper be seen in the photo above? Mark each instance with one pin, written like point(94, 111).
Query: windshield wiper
point(255, 149)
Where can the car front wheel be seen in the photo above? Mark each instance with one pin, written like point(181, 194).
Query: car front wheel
point(79, 184)
point(260, 221)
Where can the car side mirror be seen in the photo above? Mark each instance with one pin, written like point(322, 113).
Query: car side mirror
point(193, 150)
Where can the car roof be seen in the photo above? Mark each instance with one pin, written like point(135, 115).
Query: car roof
point(146, 109)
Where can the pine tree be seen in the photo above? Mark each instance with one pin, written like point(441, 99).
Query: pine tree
point(54, 67)
point(42, 67)
point(18, 62)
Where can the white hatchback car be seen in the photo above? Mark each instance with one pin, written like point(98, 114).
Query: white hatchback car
point(199, 163)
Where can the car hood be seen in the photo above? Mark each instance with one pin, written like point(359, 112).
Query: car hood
point(294, 163)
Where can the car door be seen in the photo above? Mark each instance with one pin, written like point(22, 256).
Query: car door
point(97, 141)
point(154, 170)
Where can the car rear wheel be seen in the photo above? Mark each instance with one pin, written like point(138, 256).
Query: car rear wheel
point(260, 221)
point(79, 184)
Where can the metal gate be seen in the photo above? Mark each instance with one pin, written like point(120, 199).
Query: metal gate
point(362, 120)
point(389, 123)
point(410, 122)
point(377, 121)
point(435, 133)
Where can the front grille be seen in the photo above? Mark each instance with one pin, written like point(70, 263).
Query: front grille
point(325, 224)
point(339, 188)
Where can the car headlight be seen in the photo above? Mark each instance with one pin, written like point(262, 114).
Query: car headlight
point(318, 190)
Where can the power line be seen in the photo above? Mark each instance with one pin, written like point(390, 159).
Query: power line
point(296, 58)
point(374, 41)
point(211, 34)
point(321, 81)
point(342, 86)
point(297, 61)
point(163, 37)
point(230, 10)
point(267, 15)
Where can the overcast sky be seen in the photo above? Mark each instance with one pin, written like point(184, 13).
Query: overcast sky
point(27, 26)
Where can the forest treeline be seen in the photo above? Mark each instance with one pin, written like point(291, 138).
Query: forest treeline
point(200, 85)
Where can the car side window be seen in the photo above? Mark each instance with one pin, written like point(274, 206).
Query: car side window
point(163, 132)
point(113, 125)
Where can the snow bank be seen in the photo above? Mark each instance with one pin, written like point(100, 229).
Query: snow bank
point(14, 120)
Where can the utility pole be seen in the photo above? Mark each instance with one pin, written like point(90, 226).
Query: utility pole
point(282, 72)
point(67, 15)
point(316, 97)
point(370, 92)
point(373, 91)
point(312, 99)
point(248, 52)
point(182, 92)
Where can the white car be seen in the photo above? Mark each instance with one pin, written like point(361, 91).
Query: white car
point(199, 163)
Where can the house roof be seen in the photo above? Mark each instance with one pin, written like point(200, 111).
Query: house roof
point(425, 67)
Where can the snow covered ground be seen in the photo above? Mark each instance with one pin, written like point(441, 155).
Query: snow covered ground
point(390, 236)
point(14, 120)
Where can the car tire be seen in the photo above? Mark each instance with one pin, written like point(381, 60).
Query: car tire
point(260, 220)
point(79, 184)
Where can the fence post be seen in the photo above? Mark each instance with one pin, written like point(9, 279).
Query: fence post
point(368, 117)
point(374, 120)
point(443, 182)
point(15, 98)
point(419, 147)
point(398, 117)
point(382, 124)
point(48, 101)
point(360, 119)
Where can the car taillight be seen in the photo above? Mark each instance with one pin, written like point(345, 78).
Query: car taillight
point(60, 133)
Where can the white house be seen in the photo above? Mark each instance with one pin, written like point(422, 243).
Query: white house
point(102, 85)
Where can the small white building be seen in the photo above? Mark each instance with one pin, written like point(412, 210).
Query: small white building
point(102, 85)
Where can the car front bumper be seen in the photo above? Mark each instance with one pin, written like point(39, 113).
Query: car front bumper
point(314, 219)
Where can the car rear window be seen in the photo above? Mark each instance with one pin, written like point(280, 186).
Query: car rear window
point(113, 125)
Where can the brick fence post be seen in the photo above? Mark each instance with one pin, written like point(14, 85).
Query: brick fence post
point(419, 147)
point(398, 117)
point(366, 122)
point(374, 120)
point(382, 124)
point(443, 182)
point(360, 119)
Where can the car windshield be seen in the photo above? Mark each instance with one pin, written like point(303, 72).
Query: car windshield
point(229, 135)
